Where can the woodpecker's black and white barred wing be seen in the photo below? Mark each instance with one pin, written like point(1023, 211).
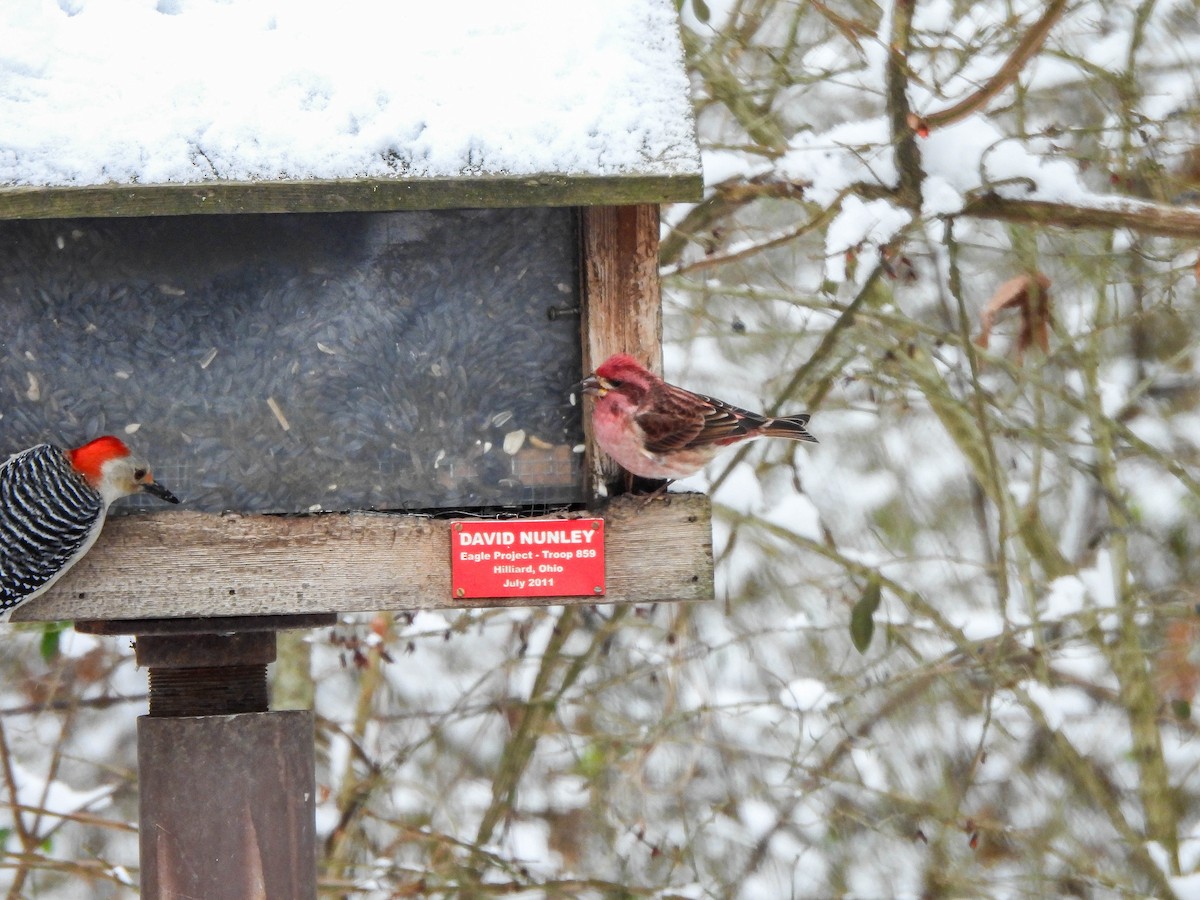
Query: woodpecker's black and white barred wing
point(49, 517)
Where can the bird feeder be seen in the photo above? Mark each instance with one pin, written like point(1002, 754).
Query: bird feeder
point(340, 308)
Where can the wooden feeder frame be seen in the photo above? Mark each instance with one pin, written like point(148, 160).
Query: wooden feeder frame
point(204, 594)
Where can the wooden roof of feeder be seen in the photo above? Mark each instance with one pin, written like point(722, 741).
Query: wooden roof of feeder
point(365, 105)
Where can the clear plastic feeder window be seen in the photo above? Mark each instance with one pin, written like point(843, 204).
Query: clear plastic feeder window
point(294, 363)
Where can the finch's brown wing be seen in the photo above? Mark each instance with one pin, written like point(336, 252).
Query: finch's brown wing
point(674, 419)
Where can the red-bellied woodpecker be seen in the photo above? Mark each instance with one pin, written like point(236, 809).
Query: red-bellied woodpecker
point(52, 507)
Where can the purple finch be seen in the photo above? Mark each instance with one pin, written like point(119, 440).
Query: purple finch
point(656, 430)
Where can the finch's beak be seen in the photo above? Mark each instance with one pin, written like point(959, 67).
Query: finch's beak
point(595, 385)
point(153, 487)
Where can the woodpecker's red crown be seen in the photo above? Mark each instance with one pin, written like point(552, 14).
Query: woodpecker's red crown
point(89, 458)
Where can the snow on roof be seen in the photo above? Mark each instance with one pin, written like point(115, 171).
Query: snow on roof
point(96, 92)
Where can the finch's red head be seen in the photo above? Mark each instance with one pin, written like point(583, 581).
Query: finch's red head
point(89, 459)
point(624, 375)
point(621, 367)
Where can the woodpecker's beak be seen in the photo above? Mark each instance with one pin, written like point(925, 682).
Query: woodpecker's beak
point(153, 487)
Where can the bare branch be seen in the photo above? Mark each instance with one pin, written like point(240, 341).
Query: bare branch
point(1136, 215)
point(1029, 45)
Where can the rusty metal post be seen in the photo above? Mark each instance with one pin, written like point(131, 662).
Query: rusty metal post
point(226, 787)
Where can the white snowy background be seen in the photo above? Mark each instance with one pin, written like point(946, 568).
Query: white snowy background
point(1030, 523)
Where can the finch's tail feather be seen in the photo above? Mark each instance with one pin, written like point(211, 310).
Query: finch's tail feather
point(788, 427)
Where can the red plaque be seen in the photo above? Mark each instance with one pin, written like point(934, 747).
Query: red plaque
point(527, 558)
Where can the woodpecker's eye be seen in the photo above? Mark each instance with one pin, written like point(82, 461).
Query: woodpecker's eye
point(139, 474)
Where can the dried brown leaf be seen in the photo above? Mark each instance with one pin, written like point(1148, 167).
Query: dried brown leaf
point(1176, 674)
point(1030, 296)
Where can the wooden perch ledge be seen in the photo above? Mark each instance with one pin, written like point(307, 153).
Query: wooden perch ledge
point(177, 564)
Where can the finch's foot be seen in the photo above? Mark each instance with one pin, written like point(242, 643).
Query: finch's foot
point(651, 490)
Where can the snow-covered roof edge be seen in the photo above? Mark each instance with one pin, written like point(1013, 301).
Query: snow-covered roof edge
point(348, 195)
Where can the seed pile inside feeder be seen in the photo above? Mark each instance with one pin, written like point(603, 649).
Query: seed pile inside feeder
point(290, 363)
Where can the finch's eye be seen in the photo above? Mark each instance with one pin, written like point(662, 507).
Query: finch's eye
point(139, 474)
point(615, 382)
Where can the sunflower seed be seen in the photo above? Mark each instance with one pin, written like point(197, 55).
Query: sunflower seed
point(513, 441)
